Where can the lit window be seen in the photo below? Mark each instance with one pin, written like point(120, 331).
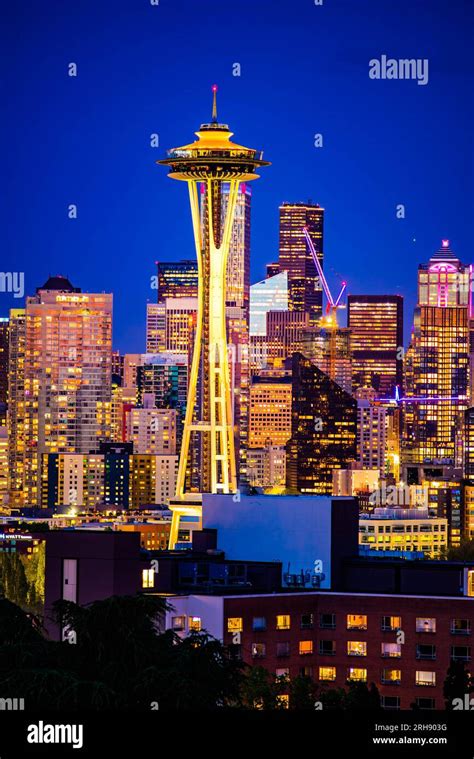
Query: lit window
point(283, 622)
point(391, 623)
point(283, 701)
point(258, 650)
point(195, 624)
point(283, 673)
point(147, 578)
point(426, 624)
point(392, 650)
point(356, 648)
point(178, 623)
point(460, 627)
point(306, 647)
point(235, 624)
point(327, 674)
point(391, 676)
point(425, 678)
point(357, 622)
point(356, 675)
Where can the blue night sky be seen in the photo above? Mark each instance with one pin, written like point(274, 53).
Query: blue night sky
point(146, 69)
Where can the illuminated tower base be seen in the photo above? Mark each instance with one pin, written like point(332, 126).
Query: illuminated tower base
point(210, 162)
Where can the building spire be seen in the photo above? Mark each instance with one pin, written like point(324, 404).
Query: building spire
point(214, 104)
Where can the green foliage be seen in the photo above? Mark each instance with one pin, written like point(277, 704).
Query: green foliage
point(260, 689)
point(121, 660)
point(356, 698)
point(463, 552)
point(458, 682)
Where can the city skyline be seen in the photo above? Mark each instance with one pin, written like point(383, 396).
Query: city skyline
point(381, 148)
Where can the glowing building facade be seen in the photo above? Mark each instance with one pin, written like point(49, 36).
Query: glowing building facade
point(177, 279)
point(67, 374)
point(305, 289)
point(334, 360)
point(376, 325)
point(324, 423)
point(440, 347)
point(285, 335)
point(270, 411)
point(271, 294)
point(16, 406)
point(4, 350)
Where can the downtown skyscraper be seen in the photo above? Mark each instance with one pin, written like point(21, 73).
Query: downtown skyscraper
point(439, 360)
point(67, 375)
point(376, 334)
point(304, 286)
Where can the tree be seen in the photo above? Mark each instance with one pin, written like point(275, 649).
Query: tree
point(360, 697)
point(118, 659)
point(463, 552)
point(303, 693)
point(260, 689)
point(458, 682)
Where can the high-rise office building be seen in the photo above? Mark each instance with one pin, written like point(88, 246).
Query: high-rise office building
point(68, 356)
point(117, 473)
point(469, 443)
point(285, 335)
point(237, 313)
point(165, 376)
point(177, 279)
point(440, 358)
point(152, 430)
point(270, 411)
point(3, 466)
point(330, 358)
point(371, 434)
point(117, 366)
point(155, 327)
point(376, 325)
point(267, 467)
point(272, 269)
point(271, 294)
point(171, 325)
point(324, 429)
point(238, 261)
point(72, 481)
point(16, 406)
point(305, 288)
point(4, 350)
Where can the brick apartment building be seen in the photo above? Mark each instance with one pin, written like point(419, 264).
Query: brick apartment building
point(403, 644)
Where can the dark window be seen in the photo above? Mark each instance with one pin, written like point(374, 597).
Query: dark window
point(327, 647)
point(327, 621)
point(283, 649)
point(425, 703)
point(390, 702)
point(306, 621)
point(461, 653)
point(425, 652)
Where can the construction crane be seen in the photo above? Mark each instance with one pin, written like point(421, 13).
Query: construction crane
point(331, 307)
